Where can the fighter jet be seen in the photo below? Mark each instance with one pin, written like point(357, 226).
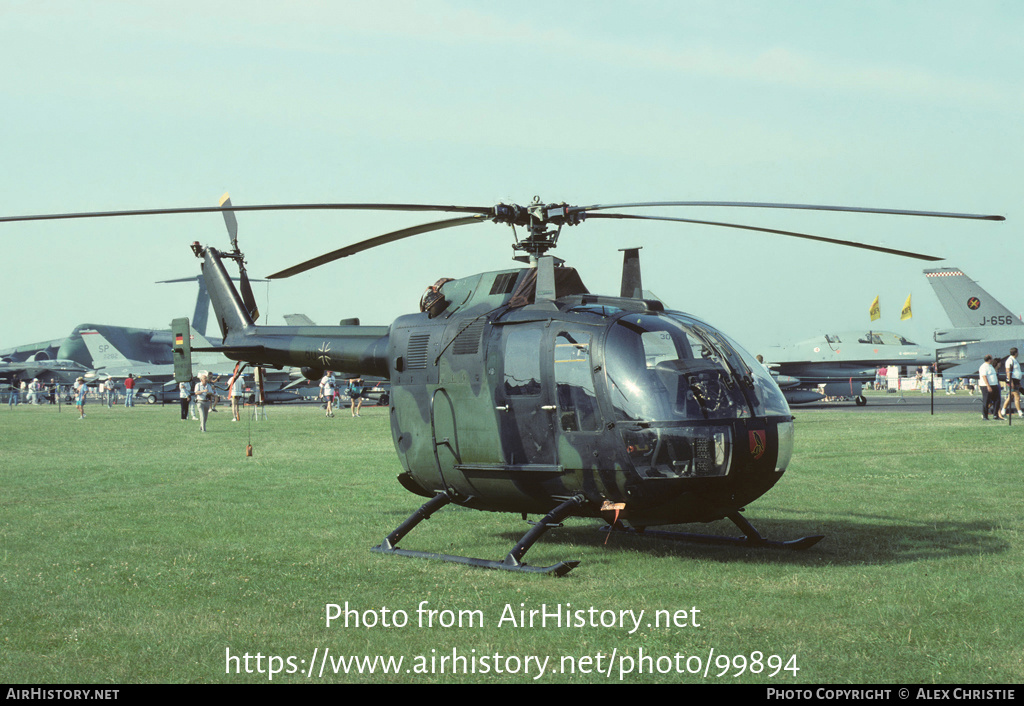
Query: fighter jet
point(63, 371)
point(40, 360)
point(982, 326)
point(842, 363)
point(975, 313)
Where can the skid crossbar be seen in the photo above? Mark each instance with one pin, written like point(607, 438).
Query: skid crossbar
point(513, 561)
point(751, 537)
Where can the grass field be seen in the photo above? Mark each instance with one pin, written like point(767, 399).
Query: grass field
point(134, 549)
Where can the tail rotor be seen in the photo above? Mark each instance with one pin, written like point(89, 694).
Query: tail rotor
point(248, 299)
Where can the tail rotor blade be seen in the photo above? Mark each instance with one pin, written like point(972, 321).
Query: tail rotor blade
point(248, 299)
point(229, 220)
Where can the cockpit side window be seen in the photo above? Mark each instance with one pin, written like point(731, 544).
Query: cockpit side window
point(574, 382)
point(662, 369)
point(658, 347)
point(522, 364)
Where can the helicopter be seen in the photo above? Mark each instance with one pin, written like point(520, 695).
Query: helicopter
point(521, 391)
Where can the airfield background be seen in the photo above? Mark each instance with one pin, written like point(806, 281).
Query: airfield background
point(122, 566)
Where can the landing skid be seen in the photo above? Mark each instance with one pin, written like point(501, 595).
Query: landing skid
point(751, 538)
point(512, 562)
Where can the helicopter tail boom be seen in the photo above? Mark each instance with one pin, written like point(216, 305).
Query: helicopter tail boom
point(232, 315)
point(349, 349)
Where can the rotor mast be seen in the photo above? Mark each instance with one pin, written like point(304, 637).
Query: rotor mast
point(537, 218)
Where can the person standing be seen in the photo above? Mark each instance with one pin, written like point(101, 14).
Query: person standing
point(184, 395)
point(13, 400)
point(204, 398)
point(989, 381)
point(327, 391)
point(212, 379)
point(129, 391)
point(237, 387)
point(355, 393)
point(80, 390)
point(1013, 380)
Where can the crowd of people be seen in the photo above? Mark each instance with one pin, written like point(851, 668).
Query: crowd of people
point(201, 398)
point(198, 398)
point(34, 392)
point(330, 392)
point(992, 376)
point(107, 391)
point(39, 392)
point(988, 380)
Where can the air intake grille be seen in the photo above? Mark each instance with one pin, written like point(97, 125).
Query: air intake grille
point(468, 341)
point(504, 283)
point(416, 355)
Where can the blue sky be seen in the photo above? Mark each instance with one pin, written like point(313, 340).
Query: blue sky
point(122, 105)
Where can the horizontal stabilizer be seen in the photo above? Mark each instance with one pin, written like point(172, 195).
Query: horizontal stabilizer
point(298, 320)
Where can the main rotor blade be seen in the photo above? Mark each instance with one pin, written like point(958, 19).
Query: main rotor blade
point(374, 242)
point(834, 241)
point(197, 277)
point(798, 206)
point(266, 207)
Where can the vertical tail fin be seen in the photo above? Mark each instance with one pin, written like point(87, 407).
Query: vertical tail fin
point(201, 315)
point(232, 314)
point(965, 302)
point(104, 353)
point(202, 311)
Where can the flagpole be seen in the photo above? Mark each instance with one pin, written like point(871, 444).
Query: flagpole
point(935, 367)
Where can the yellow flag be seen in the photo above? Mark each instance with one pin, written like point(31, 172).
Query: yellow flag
point(876, 312)
point(906, 310)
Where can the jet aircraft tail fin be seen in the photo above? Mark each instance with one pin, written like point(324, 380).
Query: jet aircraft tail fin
point(964, 300)
point(969, 307)
point(104, 353)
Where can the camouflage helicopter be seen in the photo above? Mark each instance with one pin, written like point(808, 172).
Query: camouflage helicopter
point(521, 391)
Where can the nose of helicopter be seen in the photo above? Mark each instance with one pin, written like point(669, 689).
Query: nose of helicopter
point(688, 472)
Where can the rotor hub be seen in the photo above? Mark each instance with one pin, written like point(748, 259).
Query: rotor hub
point(538, 218)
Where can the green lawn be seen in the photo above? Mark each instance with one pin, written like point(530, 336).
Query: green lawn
point(135, 549)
